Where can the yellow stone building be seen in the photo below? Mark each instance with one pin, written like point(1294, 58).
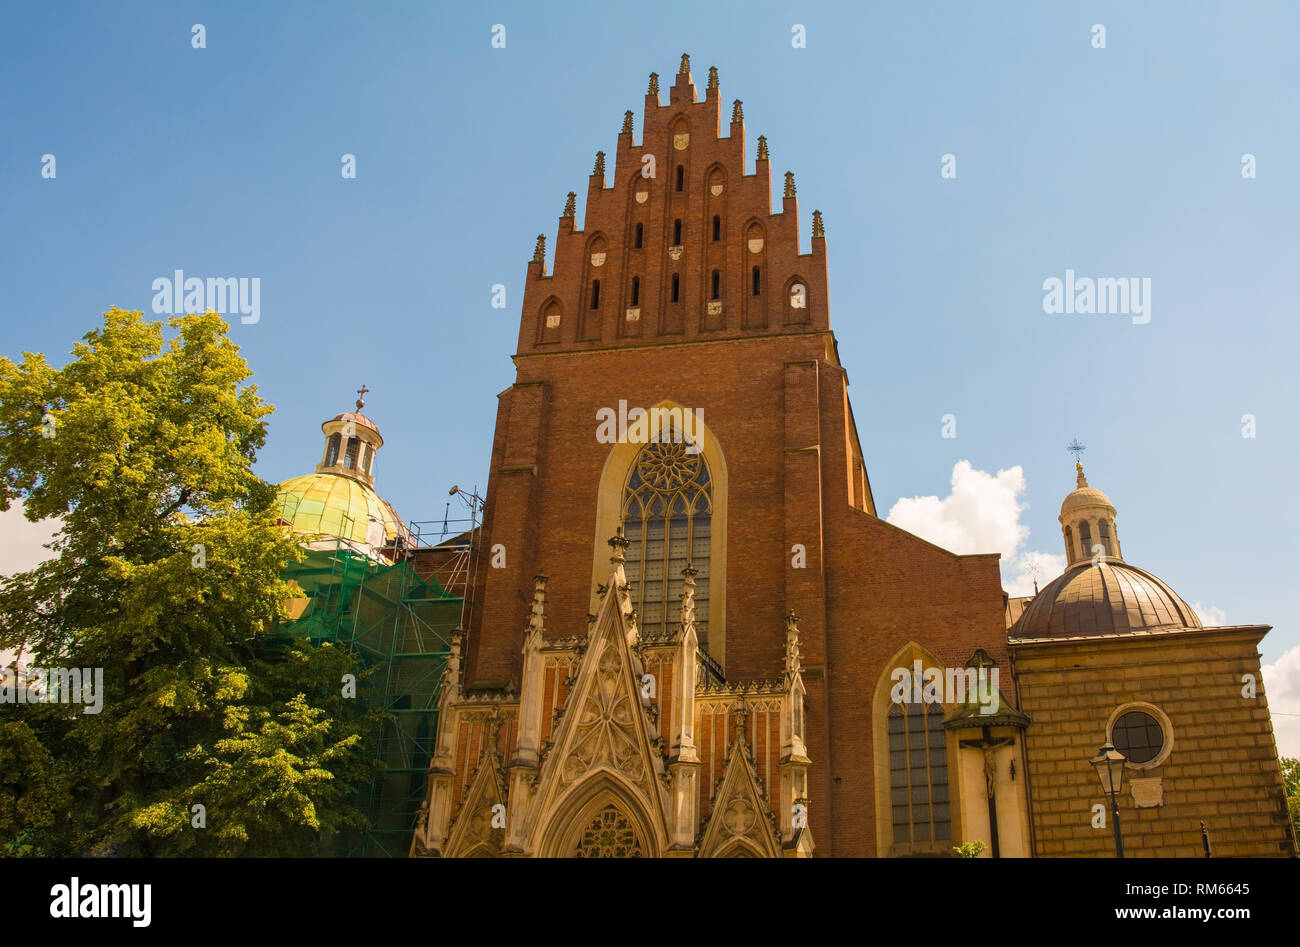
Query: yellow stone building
point(1107, 653)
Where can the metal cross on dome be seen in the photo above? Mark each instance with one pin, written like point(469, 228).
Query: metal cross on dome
point(1077, 449)
point(361, 396)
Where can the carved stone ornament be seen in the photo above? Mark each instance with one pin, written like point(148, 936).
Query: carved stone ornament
point(756, 245)
point(633, 315)
point(715, 309)
point(598, 259)
point(606, 727)
point(675, 253)
point(681, 141)
point(642, 196)
point(553, 321)
point(1148, 791)
point(715, 189)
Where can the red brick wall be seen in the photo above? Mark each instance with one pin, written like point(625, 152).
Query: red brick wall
point(775, 397)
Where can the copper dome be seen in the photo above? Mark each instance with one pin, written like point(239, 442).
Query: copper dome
point(1111, 598)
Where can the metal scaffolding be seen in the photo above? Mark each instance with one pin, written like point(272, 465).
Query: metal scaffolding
point(400, 625)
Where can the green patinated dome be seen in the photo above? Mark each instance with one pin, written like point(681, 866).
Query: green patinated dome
point(330, 504)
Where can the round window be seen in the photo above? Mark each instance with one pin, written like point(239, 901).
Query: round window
point(1138, 736)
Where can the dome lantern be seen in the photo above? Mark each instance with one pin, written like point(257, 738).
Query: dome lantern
point(351, 440)
point(1088, 523)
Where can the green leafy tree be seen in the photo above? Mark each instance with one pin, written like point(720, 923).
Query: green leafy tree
point(166, 576)
point(1291, 779)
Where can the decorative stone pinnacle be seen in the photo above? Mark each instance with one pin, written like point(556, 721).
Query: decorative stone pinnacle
point(570, 205)
point(618, 543)
point(792, 663)
point(654, 84)
point(600, 164)
point(685, 68)
point(762, 147)
point(627, 122)
point(713, 77)
point(819, 229)
point(789, 184)
point(539, 251)
point(1080, 480)
point(688, 597)
point(737, 113)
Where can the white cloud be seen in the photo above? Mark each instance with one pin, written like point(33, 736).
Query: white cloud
point(982, 514)
point(22, 548)
point(1282, 687)
point(22, 541)
point(1210, 616)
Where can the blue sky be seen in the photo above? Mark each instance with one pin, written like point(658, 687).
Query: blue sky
point(1122, 161)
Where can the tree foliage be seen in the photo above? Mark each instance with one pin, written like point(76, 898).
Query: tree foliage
point(167, 576)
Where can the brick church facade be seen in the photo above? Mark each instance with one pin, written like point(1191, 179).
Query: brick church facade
point(688, 618)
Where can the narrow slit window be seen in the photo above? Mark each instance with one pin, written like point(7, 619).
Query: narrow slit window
point(677, 233)
point(716, 284)
point(676, 286)
point(757, 281)
point(595, 294)
point(717, 227)
point(636, 291)
point(636, 241)
point(681, 177)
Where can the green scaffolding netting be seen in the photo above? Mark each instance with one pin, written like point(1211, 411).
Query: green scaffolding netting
point(401, 625)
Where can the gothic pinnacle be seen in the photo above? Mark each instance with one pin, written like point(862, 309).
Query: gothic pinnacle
point(571, 205)
point(627, 122)
point(685, 68)
point(654, 84)
point(713, 77)
point(600, 164)
point(737, 113)
point(762, 147)
point(539, 251)
point(819, 229)
point(789, 184)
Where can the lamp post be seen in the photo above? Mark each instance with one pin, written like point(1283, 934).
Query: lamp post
point(1109, 764)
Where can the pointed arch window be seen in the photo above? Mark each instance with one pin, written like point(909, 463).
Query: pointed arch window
point(918, 774)
point(667, 511)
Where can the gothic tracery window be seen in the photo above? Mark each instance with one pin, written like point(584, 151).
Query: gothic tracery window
point(667, 508)
point(918, 774)
point(609, 835)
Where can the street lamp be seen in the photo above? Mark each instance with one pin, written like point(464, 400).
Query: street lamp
point(1109, 764)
